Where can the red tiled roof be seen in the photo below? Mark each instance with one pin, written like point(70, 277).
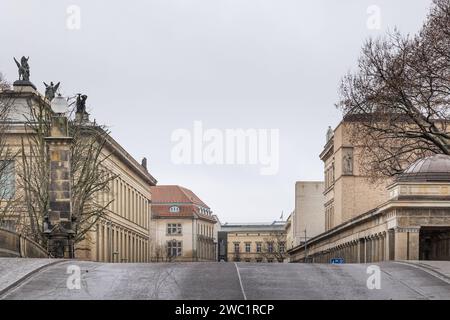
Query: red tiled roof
point(175, 194)
point(164, 197)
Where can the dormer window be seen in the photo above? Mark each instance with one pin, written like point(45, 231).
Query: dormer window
point(174, 209)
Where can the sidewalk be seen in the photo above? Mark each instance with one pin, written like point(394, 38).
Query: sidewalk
point(14, 269)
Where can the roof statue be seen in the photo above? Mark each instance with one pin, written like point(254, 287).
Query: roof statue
point(23, 68)
point(50, 90)
point(81, 103)
point(329, 133)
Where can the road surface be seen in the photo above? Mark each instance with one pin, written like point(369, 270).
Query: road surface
point(226, 281)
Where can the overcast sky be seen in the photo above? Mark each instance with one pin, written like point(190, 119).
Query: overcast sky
point(152, 67)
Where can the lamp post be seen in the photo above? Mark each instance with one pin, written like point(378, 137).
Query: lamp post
point(59, 224)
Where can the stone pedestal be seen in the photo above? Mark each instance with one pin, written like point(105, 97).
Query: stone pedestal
point(24, 86)
point(82, 117)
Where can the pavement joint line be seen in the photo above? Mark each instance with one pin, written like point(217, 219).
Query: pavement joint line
point(4, 292)
point(240, 281)
point(428, 270)
point(419, 292)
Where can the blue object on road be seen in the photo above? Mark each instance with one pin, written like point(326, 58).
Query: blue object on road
point(337, 261)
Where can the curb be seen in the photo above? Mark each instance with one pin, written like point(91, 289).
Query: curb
point(428, 270)
point(15, 284)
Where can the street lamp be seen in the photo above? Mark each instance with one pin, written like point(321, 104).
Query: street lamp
point(59, 104)
point(59, 126)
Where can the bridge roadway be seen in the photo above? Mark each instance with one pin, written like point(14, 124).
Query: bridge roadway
point(224, 281)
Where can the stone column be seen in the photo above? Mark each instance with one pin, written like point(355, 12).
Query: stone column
point(407, 243)
point(390, 244)
point(58, 223)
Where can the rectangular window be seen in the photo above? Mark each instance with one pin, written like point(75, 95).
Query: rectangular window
point(258, 260)
point(236, 247)
point(174, 248)
point(258, 247)
point(281, 246)
point(8, 225)
point(174, 228)
point(270, 247)
point(269, 260)
point(7, 179)
point(247, 247)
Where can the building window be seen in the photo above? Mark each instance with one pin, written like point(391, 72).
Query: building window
point(258, 260)
point(258, 247)
point(281, 247)
point(270, 247)
point(236, 247)
point(248, 260)
point(7, 179)
point(174, 209)
point(247, 247)
point(174, 248)
point(174, 228)
point(269, 260)
point(8, 225)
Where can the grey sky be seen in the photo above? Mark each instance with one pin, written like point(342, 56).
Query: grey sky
point(150, 67)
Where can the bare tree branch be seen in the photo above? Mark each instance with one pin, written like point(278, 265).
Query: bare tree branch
point(397, 101)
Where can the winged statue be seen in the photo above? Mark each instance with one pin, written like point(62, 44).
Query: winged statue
point(50, 90)
point(24, 68)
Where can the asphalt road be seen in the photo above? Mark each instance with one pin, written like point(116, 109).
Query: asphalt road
point(227, 281)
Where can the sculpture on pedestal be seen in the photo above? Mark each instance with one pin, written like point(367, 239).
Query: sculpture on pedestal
point(81, 103)
point(23, 68)
point(50, 90)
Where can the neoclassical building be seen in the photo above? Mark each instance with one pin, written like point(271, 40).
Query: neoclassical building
point(122, 234)
point(407, 218)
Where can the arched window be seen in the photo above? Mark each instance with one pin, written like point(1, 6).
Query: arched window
point(174, 209)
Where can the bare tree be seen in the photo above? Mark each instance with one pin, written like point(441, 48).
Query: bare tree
point(4, 84)
point(162, 254)
point(274, 247)
point(6, 154)
point(89, 175)
point(398, 99)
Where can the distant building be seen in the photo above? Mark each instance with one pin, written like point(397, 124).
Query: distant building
point(183, 227)
point(289, 232)
point(308, 218)
point(253, 242)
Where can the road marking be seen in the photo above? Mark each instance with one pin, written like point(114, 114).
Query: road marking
point(240, 281)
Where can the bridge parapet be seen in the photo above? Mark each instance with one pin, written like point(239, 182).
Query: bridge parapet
point(14, 245)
